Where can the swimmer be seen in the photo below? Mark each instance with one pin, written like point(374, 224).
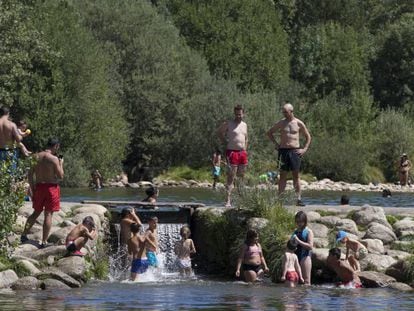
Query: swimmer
point(292, 273)
point(342, 269)
point(128, 217)
point(152, 241)
point(183, 249)
point(344, 200)
point(251, 258)
point(152, 195)
point(79, 236)
point(136, 249)
point(358, 249)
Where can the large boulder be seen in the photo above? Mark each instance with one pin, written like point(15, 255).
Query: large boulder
point(329, 221)
point(319, 256)
point(257, 224)
point(53, 273)
point(59, 236)
point(347, 225)
point(380, 232)
point(396, 254)
point(319, 230)
point(38, 235)
point(53, 284)
point(26, 283)
point(399, 270)
point(74, 266)
point(29, 267)
point(25, 248)
point(7, 278)
point(313, 216)
point(404, 227)
point(78, 218)
point(369, 214)
point(374, 246)
point(92, 208)
point(320, 243)
point(402, 287)
point(376, 262)
point(373, 279)
point(43, 253)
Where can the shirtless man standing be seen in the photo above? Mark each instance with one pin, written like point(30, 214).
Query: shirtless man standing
point(290, 153)
point(236, 133)
point(45, 188)
point(9, 136)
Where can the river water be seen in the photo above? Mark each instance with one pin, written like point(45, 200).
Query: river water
point(168, 291)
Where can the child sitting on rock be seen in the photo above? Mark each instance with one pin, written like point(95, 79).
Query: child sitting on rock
point(79, 236)
point(292, 273)
point(183, 249)
point(359, 251)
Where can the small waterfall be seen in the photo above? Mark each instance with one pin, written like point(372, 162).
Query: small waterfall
point(168, 235)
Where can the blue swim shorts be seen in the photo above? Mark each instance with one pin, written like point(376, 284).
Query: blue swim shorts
point(216, 171)
point(139, 265)
point(152, 259)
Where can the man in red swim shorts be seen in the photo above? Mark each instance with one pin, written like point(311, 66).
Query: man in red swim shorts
point(233, 133)
point(44, 187)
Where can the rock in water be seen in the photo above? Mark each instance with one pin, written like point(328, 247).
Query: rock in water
point(53, 284)
point(374, 279)
point(53, 273)
point(26, 283)
point(380, 232)
point(401, 287)
point(74, 266)
point(7, 278)
point(399, 271)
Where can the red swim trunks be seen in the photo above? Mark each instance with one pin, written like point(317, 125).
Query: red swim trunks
point(236, 157)
point(46, 196)
point(292, 276)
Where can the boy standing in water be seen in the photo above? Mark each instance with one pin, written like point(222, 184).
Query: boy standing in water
point(292, 273)
point(77, 238)
point(358, 249)
point(136, 248)
point(128, 217)
point(151, 243)
point(183, 249)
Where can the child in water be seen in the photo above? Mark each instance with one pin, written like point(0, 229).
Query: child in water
point(79, 236)
point(151, 244)
point(292, 273)
point(358, 249)
point(303, 236)
point(183, 249)
point(24, 132)
point(216, 161)
point(136, 248)
point(251, 256)
point(152, 195)
point(128, 217)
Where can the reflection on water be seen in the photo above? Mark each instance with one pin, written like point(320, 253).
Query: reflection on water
point(210, 197)
point(177, 294)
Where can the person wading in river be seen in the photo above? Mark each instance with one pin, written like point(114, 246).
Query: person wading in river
point(290, 153)
point(233, 133)
point(9, 137)
point(45, 188)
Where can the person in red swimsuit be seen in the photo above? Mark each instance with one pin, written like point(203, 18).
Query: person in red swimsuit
point(44, 188)
point(233, 133)
point(292, 272)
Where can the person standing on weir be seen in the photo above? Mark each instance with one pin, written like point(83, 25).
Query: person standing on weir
point(290, 153)
point(233, 133)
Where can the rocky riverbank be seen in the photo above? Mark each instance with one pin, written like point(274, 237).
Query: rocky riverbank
point(30, 267)
point(388, 238)
point(317, 185)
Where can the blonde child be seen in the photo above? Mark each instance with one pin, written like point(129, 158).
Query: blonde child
point(359, 251)
point(183, 249)
point(24, 132)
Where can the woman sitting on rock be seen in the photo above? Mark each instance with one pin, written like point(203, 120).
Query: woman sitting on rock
point(251, 258)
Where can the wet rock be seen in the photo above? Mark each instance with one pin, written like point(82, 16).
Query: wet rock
point(380, 232)
point(78, 218)
point(374, 246)
point(29, 267)
point(26, 283)
point(320, 243)
point(53, 284)
point(399, 270)
point(59, 236)
point(53, 273)
point(319, 256)
point(42, 254)
point(94, 209)
point(400, 286)
point(370, 214)
point(376, 262)
point(313, 216)
point(74, 266)
point(329, 221)
point(372, 279)
point(257, 223)
point(397, 254)
point(347, 225)
point(7, 278)
point(319, 230)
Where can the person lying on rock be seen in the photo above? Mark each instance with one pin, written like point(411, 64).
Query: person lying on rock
point(359, 251)
point(80, 235)
point(251, 258)
point(292, 272)
point(343, 270)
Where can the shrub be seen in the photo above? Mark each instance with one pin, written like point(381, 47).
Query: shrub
point(75, 168)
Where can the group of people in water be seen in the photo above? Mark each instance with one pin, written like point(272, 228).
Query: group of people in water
point(297, 259)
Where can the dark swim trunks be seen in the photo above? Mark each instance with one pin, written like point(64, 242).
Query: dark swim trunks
point(139, 265)
point(289, 160)
point(255, 268)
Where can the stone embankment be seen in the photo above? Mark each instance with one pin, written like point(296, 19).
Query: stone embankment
point(389, 240)
point(317, 185)
point(43, 268)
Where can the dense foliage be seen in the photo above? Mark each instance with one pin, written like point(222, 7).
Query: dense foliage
point(140, 83)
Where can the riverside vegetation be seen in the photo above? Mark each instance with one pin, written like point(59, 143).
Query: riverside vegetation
point(138, 83)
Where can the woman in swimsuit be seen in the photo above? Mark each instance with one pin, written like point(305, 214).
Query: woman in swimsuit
point(404, 169)
point(251, 258)
point(303, 236)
